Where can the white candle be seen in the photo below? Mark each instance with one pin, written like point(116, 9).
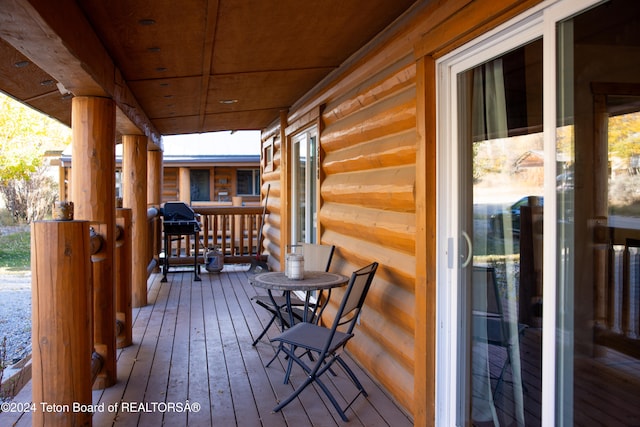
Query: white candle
point(295, 267)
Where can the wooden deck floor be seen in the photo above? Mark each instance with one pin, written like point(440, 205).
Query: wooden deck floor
point(192, 343)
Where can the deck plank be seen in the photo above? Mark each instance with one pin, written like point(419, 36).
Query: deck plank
point(219, 389)
point(178, 373)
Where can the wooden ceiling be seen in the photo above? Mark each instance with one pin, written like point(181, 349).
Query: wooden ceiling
point(178, 67)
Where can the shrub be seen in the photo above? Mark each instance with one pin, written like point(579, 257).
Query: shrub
point(30, 199)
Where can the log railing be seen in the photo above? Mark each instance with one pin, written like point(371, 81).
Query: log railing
point(233, 229)
point(617, 293)
point(154, 221)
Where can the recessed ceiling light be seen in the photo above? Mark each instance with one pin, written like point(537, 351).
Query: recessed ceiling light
point(164, 84)
point(228, 101)
point(46, 82)
point(21, 64)
point(146, 22)
point(161, 69)
point(154, 49)
point(168, 96)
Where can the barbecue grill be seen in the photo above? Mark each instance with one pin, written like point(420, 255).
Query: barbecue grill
point(179, 220)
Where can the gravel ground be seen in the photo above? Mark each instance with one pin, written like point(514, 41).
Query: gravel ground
point(15, 308)
point(15, 314)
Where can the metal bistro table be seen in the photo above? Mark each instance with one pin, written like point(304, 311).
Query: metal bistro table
point(312, 281)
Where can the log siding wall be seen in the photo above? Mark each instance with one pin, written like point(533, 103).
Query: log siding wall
point(377, 139)
point(368, 212)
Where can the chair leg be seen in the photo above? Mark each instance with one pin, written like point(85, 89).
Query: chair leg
point(264, 331)
point(293, 395)
point(333, 400)
point(275, 356)
point(352, 375)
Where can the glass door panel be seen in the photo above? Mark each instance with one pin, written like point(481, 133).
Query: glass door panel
point(598, 140)
point(501, 161)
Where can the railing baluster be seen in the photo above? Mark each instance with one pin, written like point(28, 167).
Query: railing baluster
point(234, 229)
point(615, 291)
point(632, 302)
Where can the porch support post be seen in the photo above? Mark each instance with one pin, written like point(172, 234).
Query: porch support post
point(184, 185)
point(155, 177)
point(61, 332)
point(134, 184)
point(93, 194)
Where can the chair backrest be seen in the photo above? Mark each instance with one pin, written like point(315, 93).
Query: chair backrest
point(486, 297)
point(317, 257)
point(354, 297)
point(490, 323)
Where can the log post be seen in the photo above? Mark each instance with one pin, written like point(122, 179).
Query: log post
point(124, 336)
point(134, 184)
point(93, 195)
point(61, 317)
point(184, 185)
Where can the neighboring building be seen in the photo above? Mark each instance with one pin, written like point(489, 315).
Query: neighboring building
point(196, 172)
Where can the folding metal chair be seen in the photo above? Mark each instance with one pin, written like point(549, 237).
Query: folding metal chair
point(317, 257)
point(323, 344)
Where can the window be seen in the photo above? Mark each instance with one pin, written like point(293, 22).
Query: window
point(267, 155)
point(248, 182)
point(304, 187)
point(199, 185)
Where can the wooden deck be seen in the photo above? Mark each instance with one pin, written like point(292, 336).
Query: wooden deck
point(192, 345)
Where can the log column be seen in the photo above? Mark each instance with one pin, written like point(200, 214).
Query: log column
point(93, 194)
point(184, 185)
point(61, 316)
point(134, 185)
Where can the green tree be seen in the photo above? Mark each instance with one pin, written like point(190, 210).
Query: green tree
point(25, 136)
point(624, 135)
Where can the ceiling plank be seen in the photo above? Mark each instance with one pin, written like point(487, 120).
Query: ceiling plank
point(57, 38)
point(207, 54)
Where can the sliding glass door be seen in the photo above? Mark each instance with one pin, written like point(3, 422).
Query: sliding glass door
point(500, 175)
point(539, 224)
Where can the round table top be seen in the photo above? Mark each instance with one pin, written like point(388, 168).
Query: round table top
point(313, 280)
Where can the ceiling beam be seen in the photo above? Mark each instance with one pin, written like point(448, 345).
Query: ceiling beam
point(56, 37)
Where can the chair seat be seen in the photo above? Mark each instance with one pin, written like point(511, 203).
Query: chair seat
point(313, 337)
point(493, 327)
point(280, 300)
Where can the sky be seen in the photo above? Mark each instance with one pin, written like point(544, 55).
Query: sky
point(240, 142)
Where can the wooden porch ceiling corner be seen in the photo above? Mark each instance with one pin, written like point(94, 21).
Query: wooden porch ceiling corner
point(188, 67)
